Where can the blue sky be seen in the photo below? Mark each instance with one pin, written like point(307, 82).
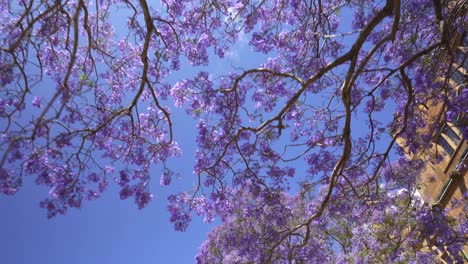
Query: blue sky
point(107, 230)
point(103, 231)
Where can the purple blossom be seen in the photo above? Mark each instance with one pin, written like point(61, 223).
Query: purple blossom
point(123, 178)
point(126, 192)
point(142, 199)
point(166, 178)
point(8, 185)
point(37, 101)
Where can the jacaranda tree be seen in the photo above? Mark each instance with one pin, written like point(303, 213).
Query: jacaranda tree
point(296, 156)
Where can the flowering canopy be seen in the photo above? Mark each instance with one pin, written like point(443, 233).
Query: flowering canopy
point(295, 155)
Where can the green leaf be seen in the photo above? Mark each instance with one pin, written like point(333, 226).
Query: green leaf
point(82, 77)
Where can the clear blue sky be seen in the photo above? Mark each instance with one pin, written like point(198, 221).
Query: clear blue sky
point(104, 231)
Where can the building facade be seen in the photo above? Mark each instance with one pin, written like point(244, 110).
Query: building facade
point(443, 182)
point(445, 177)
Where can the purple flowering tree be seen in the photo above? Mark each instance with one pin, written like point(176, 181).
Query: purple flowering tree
point(296, 156)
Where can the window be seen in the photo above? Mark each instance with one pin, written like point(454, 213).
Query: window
point(445, 145)
point(461, 59)
point(454, 137)
point(458, 77)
